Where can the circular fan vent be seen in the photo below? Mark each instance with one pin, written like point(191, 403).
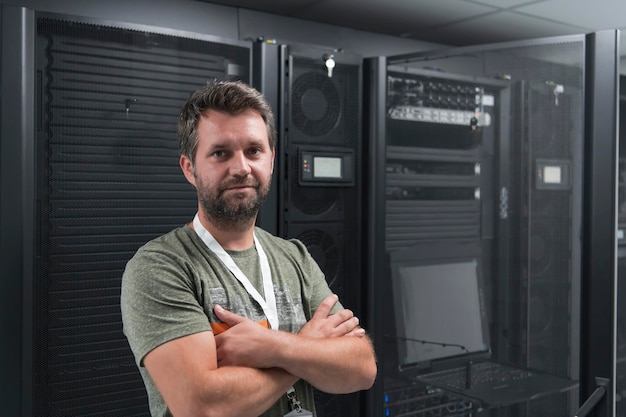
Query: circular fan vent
point(541, 309)
point(551, 210)
point(541, 249)
point(313, 201)
point(548, 328)
point(324, 250)
point(549, 129)
point(315, 105)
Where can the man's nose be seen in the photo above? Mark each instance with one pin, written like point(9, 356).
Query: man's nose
point(240, 166)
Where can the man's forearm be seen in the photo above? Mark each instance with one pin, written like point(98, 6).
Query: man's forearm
point(239, 392)
point(334, 365)
point(193, 383)
point(253, 390)
point(328, 352)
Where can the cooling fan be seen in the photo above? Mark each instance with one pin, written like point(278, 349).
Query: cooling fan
point(312, 201)
point(324, 249)
point(542, 247)
point(550, 127)
point(315, 104)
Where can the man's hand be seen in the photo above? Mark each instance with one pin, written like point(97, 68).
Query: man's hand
point(323, 325)
point(245, 343)
point(318, 353)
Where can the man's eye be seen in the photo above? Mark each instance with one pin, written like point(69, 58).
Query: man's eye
point(219, 154)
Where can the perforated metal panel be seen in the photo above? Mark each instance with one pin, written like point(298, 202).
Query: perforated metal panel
point(109, 181)
point(324, 113)
point(323, 109)
point(547, 218)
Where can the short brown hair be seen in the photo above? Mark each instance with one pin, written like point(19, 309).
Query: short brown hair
point(232, 97)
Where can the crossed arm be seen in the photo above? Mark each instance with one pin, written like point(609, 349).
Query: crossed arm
point(244, 370)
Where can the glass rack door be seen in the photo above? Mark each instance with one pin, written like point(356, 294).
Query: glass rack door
point(482, 259)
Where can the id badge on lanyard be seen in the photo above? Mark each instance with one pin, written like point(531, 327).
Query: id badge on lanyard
point(294, 405)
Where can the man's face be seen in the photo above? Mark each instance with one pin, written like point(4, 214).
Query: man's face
point(233, 166)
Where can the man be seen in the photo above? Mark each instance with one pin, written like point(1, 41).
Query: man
point(223, 318)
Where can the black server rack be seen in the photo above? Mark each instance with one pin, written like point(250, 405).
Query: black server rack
point(318, 114)
point(105, 179)
point(441, 132)
point(481, 146)
point(319, 174)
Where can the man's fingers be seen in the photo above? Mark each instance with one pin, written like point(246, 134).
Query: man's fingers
point(226, 316)
point(342, 316)
point(357, 332)
point(346, 326)
point(323, 310)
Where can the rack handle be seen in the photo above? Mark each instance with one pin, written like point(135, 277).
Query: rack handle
point(596, 396)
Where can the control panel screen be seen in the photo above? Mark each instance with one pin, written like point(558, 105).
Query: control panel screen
point(552, 174)
point(326, 167)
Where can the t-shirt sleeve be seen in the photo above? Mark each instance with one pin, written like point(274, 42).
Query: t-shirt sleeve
point(158, 302)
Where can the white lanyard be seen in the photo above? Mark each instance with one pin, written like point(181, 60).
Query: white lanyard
point(269, 303)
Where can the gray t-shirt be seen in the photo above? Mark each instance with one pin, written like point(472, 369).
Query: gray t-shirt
point(170, 286)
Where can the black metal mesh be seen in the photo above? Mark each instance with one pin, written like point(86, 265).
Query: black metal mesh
point(109, 181)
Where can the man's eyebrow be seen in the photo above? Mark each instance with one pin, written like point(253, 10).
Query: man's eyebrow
point(225, 145)
point(220, 145)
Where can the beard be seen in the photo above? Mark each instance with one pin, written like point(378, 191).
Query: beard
point(235, 210)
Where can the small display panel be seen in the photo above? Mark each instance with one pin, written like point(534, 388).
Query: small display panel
point(552, 174)
point(326, 166)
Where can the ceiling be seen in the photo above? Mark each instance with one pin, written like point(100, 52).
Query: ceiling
point(455, 22)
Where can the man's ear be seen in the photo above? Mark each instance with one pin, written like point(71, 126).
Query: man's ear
point(187, 167)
